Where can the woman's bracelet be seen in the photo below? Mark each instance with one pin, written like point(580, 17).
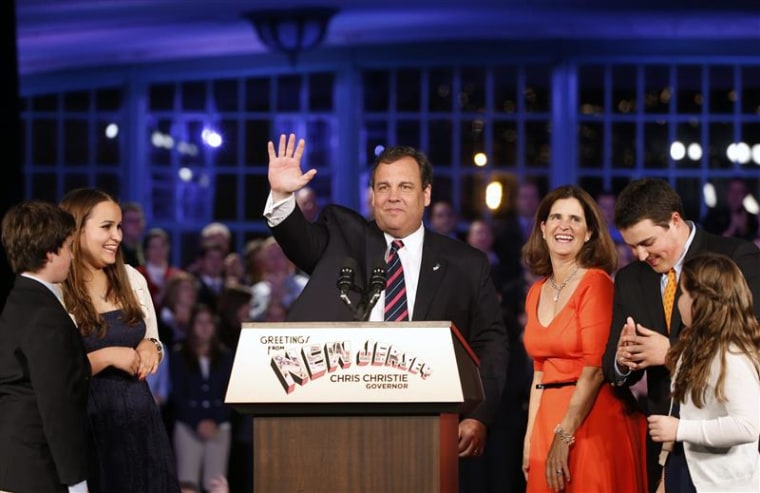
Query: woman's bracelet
point(565, 436)
point(159, 348)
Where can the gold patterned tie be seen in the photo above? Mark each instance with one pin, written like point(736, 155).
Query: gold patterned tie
point(669, 296)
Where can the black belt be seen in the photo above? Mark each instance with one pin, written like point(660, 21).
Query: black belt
point(555, 385)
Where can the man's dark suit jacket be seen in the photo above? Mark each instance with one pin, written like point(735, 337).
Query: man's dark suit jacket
point(638, 295)
point(44, 384)
point(454, 284)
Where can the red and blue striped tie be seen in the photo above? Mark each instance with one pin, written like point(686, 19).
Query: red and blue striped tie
point(395, 288)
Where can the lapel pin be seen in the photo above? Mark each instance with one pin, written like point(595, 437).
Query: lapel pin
point(436, 267)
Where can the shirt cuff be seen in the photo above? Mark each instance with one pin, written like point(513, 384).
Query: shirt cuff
point(686, 430)
point(621, 375)
point(277, 212)
point(79, 487)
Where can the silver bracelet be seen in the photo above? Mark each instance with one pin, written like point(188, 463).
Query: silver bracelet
point(159, 348)
point(564, 436)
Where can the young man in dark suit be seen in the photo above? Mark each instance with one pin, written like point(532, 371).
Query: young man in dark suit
point(650, 217)
point(44, 371)
point(445, 279)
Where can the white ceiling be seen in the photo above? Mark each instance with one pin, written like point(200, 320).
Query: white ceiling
point(63, 34)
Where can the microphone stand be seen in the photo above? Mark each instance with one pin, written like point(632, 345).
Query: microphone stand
point(346, 284)
point(368, 297)
point(372, 294)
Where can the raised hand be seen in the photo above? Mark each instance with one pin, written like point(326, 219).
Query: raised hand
point(285, 176)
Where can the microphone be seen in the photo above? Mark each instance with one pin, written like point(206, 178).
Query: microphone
point(376, 285)
point(346, 281)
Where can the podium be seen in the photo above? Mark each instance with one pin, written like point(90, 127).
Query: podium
point(351, 407)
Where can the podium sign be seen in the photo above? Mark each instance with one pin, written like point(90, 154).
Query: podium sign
point(280, 366)
point(380, 399)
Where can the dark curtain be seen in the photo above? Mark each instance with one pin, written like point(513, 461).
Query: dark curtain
point(10, 139)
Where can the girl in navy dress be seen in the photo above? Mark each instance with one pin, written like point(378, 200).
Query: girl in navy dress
point(128, 447)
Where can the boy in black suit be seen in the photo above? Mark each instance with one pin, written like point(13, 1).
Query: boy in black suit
point(44, 371)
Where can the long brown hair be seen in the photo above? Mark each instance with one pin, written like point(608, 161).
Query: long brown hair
point(190, 347)
point(722, 320)
point(599, 251)
point(80, 203)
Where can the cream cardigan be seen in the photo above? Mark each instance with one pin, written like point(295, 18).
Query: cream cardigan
point(721, 439)
point(142, 293)
point(140, 287)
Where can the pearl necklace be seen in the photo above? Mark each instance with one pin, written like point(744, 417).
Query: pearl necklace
point(559, 288)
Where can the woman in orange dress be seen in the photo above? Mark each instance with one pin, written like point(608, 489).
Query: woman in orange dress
point(580, 436)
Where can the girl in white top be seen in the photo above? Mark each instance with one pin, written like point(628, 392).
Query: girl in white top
point(716, 378)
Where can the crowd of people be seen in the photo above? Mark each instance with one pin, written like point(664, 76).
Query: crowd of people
point(618, 340)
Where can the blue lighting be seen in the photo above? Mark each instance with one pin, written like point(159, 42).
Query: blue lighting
point(212, 138)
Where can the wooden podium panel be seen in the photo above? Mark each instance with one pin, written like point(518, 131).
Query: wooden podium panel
point(359, 407)
point(348, 454)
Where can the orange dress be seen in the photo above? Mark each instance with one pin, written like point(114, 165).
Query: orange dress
point(609, 452)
